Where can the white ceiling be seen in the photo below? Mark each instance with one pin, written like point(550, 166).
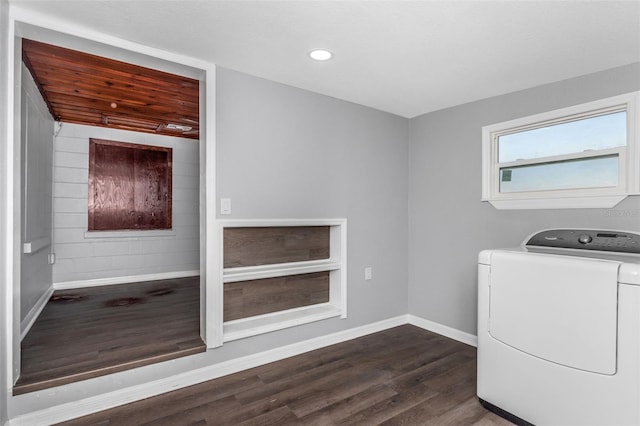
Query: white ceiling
point(404, 57)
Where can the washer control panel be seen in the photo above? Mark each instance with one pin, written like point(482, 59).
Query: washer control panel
point(587, 239)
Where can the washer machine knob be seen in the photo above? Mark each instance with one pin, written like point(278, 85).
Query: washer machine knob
point(585, 239)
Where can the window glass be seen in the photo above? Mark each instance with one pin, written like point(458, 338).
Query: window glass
point(591, 133)
point(594, 172)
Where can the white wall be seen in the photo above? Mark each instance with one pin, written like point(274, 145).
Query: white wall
point(6, 301)
point(37, 157)
point(80, 258)
point(449, 224)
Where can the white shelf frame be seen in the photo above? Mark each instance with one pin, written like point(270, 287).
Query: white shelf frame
point(336, 265)
point(232, 275)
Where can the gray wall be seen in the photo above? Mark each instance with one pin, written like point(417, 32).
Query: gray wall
point(287, 153)
point(80, 258)
point(5, 287)
point(449, 224)
point(37, 159)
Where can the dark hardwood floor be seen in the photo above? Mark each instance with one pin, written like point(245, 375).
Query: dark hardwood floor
point(91, 332)
point(400, 376)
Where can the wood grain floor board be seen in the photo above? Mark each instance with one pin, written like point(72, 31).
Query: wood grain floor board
point(214, 411)
point(338, 389)
point(469, 412)
point(289, 386)
point(89, 337)
point(357, 382)
point(389, 408)
point(345, 408)
point(281, 416)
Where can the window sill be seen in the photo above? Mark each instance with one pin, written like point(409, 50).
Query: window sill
point(129, 234)
point(260, 324)
point(603, 202)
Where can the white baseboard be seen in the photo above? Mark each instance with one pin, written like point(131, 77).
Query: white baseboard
point(67, 285)
point(33, 314)
point(444, 330)
point(97, 403)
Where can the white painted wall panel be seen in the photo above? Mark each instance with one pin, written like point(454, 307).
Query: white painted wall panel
point(6, 300)
point(71, 159)
point(81, 258)
point(37, 160)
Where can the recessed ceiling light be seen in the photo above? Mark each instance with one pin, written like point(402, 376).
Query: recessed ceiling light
point(320, 54)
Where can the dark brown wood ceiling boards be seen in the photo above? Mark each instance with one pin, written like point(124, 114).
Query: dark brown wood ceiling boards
point(93, 90)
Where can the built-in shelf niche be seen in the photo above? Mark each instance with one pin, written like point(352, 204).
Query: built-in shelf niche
point(265, 261)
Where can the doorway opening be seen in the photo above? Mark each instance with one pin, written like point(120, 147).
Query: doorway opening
point(97, 301)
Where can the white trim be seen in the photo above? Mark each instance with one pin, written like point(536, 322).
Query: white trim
point(6, 212)
point(67, 285)
point(13, 199)
point(278, 270)
point(94, 404)
point(212, 290)
point(339, 278)
point(34, 313)
point(240, 223)
point(63, 27)
point(558, 203)
point(36, 245)
point(260, 324)
point(452, 333)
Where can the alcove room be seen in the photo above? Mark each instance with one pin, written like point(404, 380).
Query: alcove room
point(271, 212)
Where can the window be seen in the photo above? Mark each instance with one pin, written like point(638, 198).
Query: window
point(129, 186)
point(582, 156)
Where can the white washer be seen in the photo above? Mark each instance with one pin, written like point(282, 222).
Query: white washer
point(559, 329)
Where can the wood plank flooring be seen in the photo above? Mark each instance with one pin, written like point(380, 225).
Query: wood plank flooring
point(400, 376)
point(91, 332)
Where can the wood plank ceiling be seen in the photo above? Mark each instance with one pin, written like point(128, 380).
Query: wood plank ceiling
point(93, 90)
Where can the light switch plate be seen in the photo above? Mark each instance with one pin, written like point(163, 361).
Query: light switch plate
point(225, 205)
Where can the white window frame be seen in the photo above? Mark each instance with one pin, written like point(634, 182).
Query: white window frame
point(629, 159)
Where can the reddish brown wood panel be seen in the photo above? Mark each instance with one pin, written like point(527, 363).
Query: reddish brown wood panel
point(269, 245)
point(255, 297)
point(129, 186)
point(152, 197)
point(93, 90)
